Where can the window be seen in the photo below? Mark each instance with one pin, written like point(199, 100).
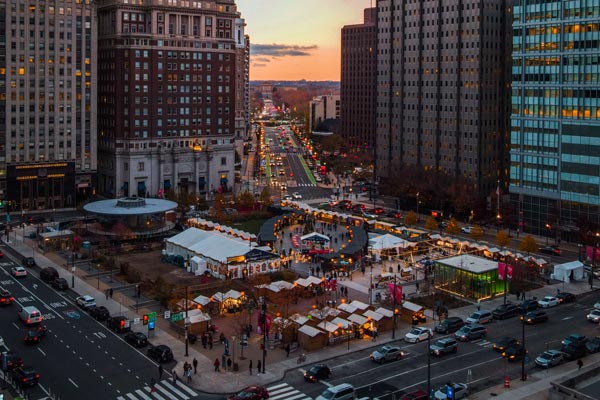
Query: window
point(126, 166)
point(141, 166)
point(223, 160)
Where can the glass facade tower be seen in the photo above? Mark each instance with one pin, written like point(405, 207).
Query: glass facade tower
point(555, 118)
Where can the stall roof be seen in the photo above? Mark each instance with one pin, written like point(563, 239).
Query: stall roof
point(385, 312)
point(412, 306)
point(346, 308)
point(309, 330)
point(470, 263)
point(341, 322)
point(299, 319)
point(375, 316)
point(315, 235)
point(359, 304)
point(55, 234)
point(202, 300)
point(198, 316)
point(327, 326)
point(357, 319)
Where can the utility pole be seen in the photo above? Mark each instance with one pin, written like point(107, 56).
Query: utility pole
point(264, 321)
point(185, 323)
point(394, 310)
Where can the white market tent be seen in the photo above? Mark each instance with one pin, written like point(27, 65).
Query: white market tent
point(375, 316)
point(357, 319)
point(346, 308)
point(202, 300)
point(299, 319)
point(309, 330)
point(569, 271)
point(388, 241)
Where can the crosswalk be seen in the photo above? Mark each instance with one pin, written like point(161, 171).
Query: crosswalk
point(483, 343)
point(165, 390)
point(306, 185)
point(287, 392)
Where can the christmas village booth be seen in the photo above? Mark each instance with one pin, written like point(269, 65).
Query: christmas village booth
point(315, 243)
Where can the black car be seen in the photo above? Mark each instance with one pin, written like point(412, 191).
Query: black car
point(99, 313)
point(34, 336)
point(552, 250)
point(515, 352)
point(160, 353)
point(574, 351)
point(528, 305)
point(393, 214)
point(48, 274)
point(136, 339)
point(317, 372)
point(13, 361)
point(504, 343)
point(60, 284)
point(505, 311)
point(593, 345)
point(575, 339)
point(29, 262)
point(6, 298)
point(449, 325)
point(25, 376)
point(565, 297)
point(471, 332)
point(118, 324)
point(534, 317)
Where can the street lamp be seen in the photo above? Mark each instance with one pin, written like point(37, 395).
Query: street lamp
point(98, 274)
point(185, 323)
point(394, 310)
point(548, 228)
point(233, 338)
point(428, 362)
point(523, 374)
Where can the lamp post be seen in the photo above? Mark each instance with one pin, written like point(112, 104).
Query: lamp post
point(264, 321)
point(548, 228)
point(98, 274)
point(185, 323)
point(428, 362)
point(418, 193)
point(394, 310)
point(523, 374)
point(233, 338)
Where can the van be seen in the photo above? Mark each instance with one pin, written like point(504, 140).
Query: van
point(340, 392)
point(480, 317)
point(30, 315)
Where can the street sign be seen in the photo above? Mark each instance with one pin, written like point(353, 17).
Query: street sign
point(127, 323)
point(168, 314)
point(177, 316)
point(137, 320)
point(152, 316)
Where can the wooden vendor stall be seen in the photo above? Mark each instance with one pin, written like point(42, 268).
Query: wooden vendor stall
point(386, 323)
point(412, 312)
point(372, 324)
point(311, 339)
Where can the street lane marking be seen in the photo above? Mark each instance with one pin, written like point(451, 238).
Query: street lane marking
point(142, 394)
point(74, 384)
point(131, 396)
point(41, 351)
point(16, 326)
point(187, 389)
point(566, 318)
point(174, 389)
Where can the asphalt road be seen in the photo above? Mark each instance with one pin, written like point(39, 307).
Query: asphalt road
point(77, 353)
point(474, 361)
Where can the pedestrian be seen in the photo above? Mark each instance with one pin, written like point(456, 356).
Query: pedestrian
point(217, 364)
point(174, 377)
point(110, 292)
point(186, 365)
point(106, 292)
point(557, 291)
point(258, 365)
point(229, 363)
point(579, 364)
point(204, 340)
point(250, 367)
point(478, 305)
point(188, 374)
point(160, 371)
point(195, 363)
point(518, 295)
point(210, 342)
point(152, 385)
point(287, 350)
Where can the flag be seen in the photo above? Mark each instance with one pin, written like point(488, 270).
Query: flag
point(398, 296)
point(501, 271)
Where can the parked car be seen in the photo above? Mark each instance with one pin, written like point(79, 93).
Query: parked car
point(254, 392)
point(565, 297)
point(552, 250)
point(160, 353)
point(34, 336)
point(343, 391)
point(514, 352)
point(386, 353)
point(60, 284)
point(6, 298)
point(136, 339)
point(449, 325)
point(393, 214)
point(378, 210)
point(548, 301)
point(597, 305)
point(418, 334)
point(18, 272)
point(317, 372)
point(550, 358)
point(470, 332)
point(444, 346)
point(534, 317)
point(48, 274)
point(504, 342)
point(118, 324)
point(29, 262)
point(574, 351)
point(85, 302)
point(297, 196)
point(287, 197)
point(480, 317)
point(593, 316)
point(416, 395)
point(528, 305)
point(458, 391)
point(99, 313)
point(574, 338)
point(25, 376)
point(505, 311)
point(593, 345)
point(466, 229)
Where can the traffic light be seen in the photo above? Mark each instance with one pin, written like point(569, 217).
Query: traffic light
point(145, 319)
point(122, 324)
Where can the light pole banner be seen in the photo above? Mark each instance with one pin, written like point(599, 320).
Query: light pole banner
point(501, 267)
point(398, 292)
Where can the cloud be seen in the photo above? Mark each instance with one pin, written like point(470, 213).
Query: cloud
point(281, 50)
point(262, 59)
point(258, 65)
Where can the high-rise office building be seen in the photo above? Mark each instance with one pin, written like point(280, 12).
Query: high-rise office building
point(322, 108)
point(555, 132)
point(166, 96)
point(242, 80)
point(47, 103)
point(359, 82)
point(441, 89)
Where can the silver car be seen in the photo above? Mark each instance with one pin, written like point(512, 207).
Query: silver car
point(550, 358)
point(386, 353)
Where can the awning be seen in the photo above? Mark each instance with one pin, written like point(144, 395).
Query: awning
point(141, 186)
point(167, 185)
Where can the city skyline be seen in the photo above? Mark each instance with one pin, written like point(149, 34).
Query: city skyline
point(294, 41)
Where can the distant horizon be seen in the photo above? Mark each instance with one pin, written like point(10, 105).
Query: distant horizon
point(294, 41)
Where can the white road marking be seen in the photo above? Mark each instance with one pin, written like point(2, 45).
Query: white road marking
point(41, 351)
point(74, 384)
point(142, 395)
point(566, 318)
point(174, 389)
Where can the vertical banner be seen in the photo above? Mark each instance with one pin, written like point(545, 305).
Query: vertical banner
point(509, 271)
point(501, 267)
point(398, 297)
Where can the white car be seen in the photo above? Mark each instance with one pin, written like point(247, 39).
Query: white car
point(296, 196)
point(460, 391)
point(85, 302)
point(466, 229)
point(418, 334)
point(594, 316)
point(597, 305)
point(548, 301)
point(18, 272)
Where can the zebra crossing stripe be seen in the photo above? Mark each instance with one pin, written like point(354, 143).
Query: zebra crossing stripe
point(187, 389)
point(131, 396)
point(142, 395)
point(287, 392)
point(174, 390)
point(154, 394)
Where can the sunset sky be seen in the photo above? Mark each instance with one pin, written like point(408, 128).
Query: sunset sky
point(292, 40)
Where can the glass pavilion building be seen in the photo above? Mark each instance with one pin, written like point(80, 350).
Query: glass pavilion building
point(555, 119)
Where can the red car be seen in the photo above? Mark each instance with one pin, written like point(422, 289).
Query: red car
point(378, 210)
point(417, 395)
point(251, 393)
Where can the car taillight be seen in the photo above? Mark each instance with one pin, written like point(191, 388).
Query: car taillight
point(28, 321)
point(24, 379)
point(37, 376)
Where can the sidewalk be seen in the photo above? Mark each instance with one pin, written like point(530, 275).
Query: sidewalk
point(276, 362)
